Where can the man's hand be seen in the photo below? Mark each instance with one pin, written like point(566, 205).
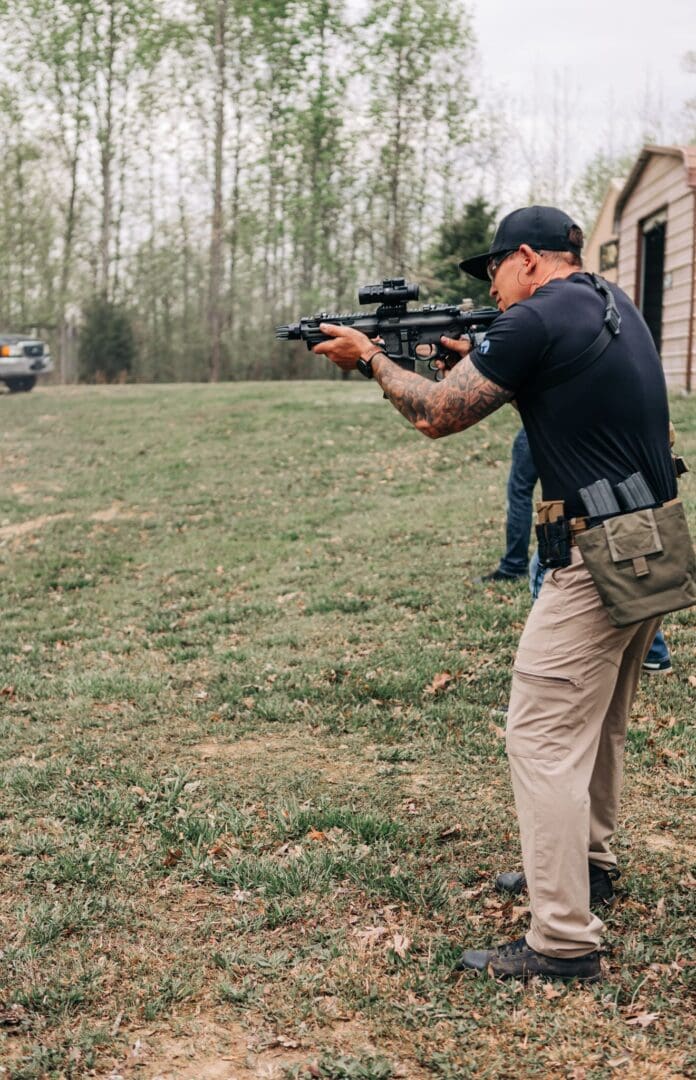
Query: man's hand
point(456, 345)
point(345, 348)
point(462, 348)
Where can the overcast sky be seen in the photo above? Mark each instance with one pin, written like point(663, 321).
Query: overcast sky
point(567, 78)
point(624, 52)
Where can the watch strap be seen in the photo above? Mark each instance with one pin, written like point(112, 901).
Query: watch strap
point(364, 364)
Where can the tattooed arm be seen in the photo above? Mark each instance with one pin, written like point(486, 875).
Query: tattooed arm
point(435, 408)
point(463, 398)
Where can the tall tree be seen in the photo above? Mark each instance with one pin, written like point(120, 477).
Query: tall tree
point(220, 31)
point(83, 64)
point(27, 223)
point(467, 235)
point(221, 40)
point(415, 52)
point(323, 160)
point(126, 39)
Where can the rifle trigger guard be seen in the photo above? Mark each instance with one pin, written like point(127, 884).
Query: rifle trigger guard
point(447, 357)
point(435, 355)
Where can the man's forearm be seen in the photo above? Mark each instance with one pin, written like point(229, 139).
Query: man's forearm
point(440, 408)
point(408, 392)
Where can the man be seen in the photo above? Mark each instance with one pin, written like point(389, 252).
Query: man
point(575, 674)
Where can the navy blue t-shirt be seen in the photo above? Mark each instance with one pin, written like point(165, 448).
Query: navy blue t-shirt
point(610, 420)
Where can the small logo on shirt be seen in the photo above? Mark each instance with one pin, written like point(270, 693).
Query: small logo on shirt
point(484, 346)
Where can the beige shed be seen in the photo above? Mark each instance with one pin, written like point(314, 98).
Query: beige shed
point(655, 227)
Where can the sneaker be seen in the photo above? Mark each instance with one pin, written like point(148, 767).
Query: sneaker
point(601, 884)
point(500, 575)
point(518, 960)
point(658, 667)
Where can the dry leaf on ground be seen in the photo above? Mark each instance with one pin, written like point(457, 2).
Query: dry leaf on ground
point(439, 683)
point(401, 944)
point(368, 938)
point(643, 1019)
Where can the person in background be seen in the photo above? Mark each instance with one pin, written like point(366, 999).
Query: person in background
point(522, 480)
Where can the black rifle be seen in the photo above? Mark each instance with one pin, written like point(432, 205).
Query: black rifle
point(402, 330)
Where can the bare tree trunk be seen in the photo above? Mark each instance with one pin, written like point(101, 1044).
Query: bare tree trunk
point(396, 244)
point(117, 219)
point(106, 156)
point(19, 184)
point(216, 228)
point(68, 349)
point(234, 209)
point(65, 366)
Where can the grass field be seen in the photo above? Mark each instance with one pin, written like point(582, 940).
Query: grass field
point(253, 787)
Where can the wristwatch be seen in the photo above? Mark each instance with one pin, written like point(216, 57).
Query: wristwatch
point(364, 365)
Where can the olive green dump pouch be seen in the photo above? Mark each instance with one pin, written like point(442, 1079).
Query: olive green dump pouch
point(642, 563)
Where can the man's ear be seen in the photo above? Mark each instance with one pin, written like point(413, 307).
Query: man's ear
point(530, 256)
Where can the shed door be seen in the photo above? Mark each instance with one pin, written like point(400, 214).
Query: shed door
point(653, 276)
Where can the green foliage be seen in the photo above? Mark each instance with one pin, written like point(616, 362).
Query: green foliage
point(107, 344)
point(27, 223)
point(336, 142)
point(420, 105)
point(467, 235)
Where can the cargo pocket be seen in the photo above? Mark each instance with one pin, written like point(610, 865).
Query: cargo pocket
point(545, 710)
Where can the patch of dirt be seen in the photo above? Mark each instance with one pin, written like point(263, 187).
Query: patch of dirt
point(24, 762)
point(661, 842)
point(116, 512)
point(243, 749)
point(211, 1051)
point(336, 764)
point(21, 528)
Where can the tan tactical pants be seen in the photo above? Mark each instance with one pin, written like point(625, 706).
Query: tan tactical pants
point(573, 683)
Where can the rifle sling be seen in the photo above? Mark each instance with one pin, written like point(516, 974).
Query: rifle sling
point(580, 363)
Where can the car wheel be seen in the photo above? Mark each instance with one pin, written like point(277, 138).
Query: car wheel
point(21, 384)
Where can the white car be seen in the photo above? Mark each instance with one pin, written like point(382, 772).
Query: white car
point(21, 360)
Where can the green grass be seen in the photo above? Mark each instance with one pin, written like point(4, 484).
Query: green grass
point(236, 825)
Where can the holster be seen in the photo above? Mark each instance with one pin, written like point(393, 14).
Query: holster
point(553, 535)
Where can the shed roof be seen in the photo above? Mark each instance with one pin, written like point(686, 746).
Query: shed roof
point(687, 155)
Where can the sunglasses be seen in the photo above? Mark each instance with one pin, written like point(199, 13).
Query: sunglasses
point(494, 263)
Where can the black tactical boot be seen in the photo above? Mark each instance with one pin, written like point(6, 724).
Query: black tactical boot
point(499, 575)
point(601, 888)
point(518, 961)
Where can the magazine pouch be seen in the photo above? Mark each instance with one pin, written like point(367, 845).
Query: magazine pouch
point(642, 563)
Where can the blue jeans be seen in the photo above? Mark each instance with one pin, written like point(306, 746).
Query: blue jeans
point(520, 488)
point(536, 575)
point(658, 651)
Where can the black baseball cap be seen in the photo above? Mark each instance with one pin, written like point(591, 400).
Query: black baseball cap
point(544, 228)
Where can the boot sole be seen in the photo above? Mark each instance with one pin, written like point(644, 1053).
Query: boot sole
point(546, 975)
point(595, 901)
